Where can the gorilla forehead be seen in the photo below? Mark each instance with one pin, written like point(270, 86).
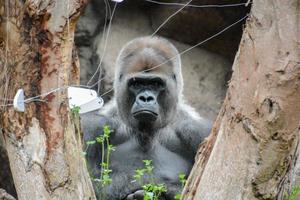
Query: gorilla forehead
point(147, 60)
point(149, 54)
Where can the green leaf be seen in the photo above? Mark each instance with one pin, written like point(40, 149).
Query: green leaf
point(295, 193)
point(91, 142)
point(100, 139)
point(177, 197)
point(111, 148)
point(75, 109)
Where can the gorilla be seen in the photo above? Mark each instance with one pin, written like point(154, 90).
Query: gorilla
point(149, 121)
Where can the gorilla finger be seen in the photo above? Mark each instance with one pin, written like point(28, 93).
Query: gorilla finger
point(130, 197)
point(139, 195)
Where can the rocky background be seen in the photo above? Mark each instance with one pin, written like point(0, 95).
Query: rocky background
point(206, 69)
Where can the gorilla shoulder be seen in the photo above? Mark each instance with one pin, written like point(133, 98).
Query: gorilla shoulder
point(190, 127)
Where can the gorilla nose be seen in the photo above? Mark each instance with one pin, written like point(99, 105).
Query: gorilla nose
point(146, 98)
point(145, 107)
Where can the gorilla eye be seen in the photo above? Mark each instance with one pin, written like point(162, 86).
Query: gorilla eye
point(158, 85)
point(133, 83)
point(136, 84)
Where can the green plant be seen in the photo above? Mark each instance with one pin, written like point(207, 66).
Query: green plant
point(103, 140)
point(75, 109)
point(152, 190)
point(76, 119)
point(182, 180)
point(75, 115)
point(293, 194)
point(106, 149)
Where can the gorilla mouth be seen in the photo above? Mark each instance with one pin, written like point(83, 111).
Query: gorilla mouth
point(145, 115)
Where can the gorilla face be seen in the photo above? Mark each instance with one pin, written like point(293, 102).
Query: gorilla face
point(147, 95)
point(145, 90)
point(150, 100)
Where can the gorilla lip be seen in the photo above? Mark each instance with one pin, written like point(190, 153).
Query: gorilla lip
point(145, 115)
point(145, 111)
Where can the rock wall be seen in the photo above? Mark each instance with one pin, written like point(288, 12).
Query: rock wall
point(195, 24)
point(204, 72)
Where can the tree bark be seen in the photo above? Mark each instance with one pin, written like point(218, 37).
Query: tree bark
point(37, 54)
point(253, 150)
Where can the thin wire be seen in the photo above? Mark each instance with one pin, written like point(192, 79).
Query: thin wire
point(175, 13)
point(108, 91)
point(6, 105)
point(108, 6)
point(68, 20)
point(4, 99)
point(99, 67)
point(105, 44)
point(99, 80)
point(200, 6)
point(45, 94)
point(6, 84)
point(198, 44)
point(107, 13)
point(69, 40)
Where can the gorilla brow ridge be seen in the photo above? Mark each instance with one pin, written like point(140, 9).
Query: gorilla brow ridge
point(145, 57)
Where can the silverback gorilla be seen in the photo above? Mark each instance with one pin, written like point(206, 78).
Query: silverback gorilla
point(149, 119)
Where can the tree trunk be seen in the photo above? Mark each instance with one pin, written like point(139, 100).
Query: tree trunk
point(253, 150)
point(37, 54)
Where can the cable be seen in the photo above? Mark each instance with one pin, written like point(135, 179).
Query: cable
point(199, 6)
point(105, 44)
point(175, 13)
point(107, 8)
point(192, 47)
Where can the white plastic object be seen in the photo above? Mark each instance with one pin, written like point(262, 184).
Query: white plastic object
point(119, 1)
point(86, 99)
point(18, 103)
point(95, 104)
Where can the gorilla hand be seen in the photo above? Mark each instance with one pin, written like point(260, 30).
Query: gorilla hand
point(137, 195)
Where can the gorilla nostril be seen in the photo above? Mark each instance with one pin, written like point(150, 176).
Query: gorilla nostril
point(146, 99)
point(142, 98)
point(150, 99)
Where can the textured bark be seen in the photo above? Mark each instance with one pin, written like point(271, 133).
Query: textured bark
point(253, 152)
point(37, 54)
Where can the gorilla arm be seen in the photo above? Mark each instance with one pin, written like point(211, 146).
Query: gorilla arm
point(92, 126)
point(191, 128)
